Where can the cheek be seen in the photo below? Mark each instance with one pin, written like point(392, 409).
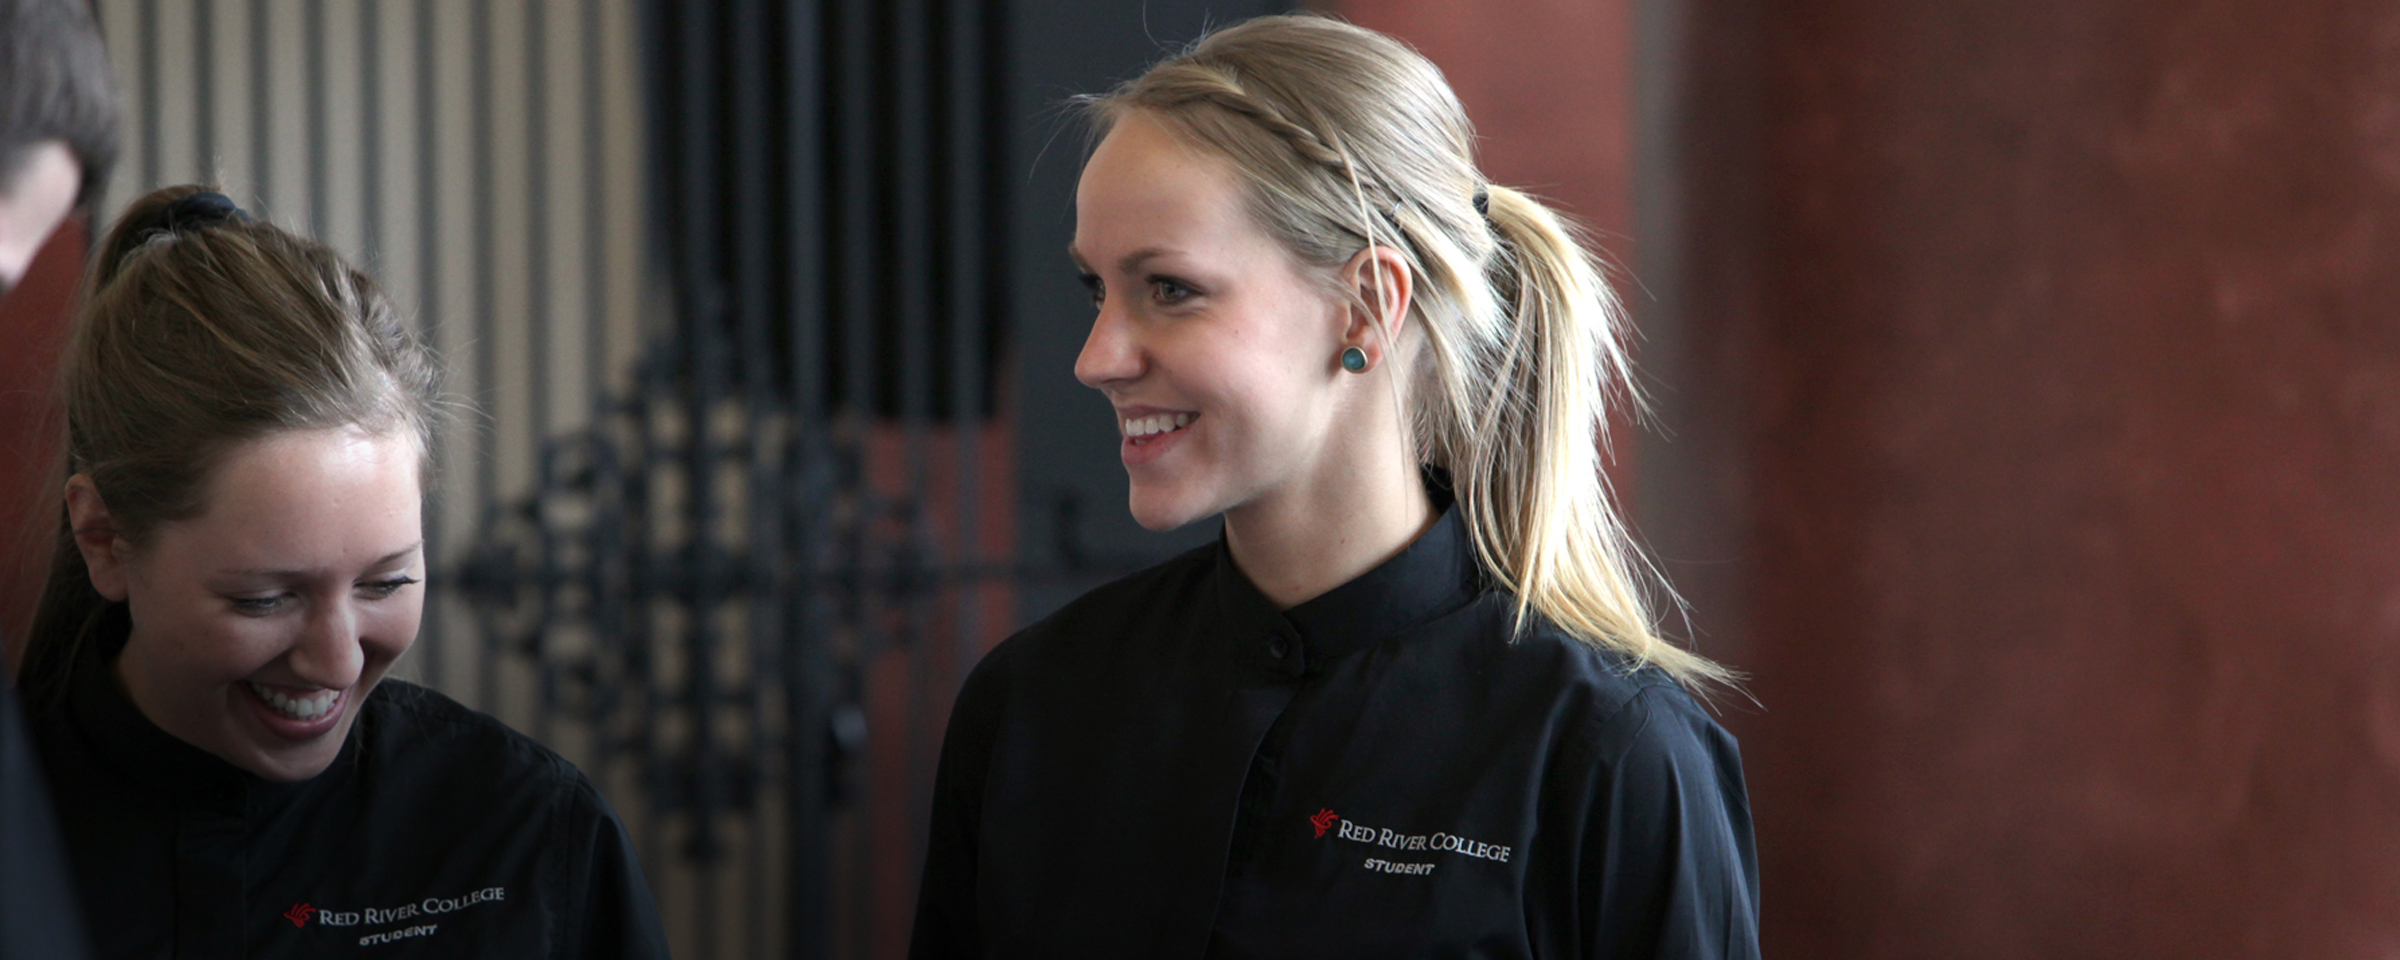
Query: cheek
point(390, 629)
point(219, 648)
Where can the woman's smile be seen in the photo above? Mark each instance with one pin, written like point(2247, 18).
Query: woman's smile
point(1150, 434)
point(294, 714)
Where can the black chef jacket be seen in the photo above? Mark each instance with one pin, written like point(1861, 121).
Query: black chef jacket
point(437, 832)
point(1170, 767)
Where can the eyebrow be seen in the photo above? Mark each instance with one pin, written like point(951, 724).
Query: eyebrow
point(286, 574)
point(1129, 263)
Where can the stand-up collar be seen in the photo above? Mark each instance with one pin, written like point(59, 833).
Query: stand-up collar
point(1430, 578)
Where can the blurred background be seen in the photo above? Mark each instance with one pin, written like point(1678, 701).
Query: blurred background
point(2027, 381)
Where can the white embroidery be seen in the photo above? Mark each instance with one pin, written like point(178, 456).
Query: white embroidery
point(1442, 842)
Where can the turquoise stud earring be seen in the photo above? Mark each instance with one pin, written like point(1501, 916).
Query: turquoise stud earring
point(1354, 360)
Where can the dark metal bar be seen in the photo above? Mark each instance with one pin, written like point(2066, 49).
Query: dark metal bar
point(753, 292)
point(312, 18)
point(653, 381)
point(370, 131)
point(807, 662)
point(909, 126)
point(606, 585)
point(703, 325)
point(537, 359)
point(595, 225)
point(965, 203)
point(204, 90)
point(262, 102)
point(429, 285)
point(856, 279)
point(147, 34)
point(487, 362)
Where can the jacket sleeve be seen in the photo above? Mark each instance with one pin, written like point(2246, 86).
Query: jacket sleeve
point(38, 916)
point(947, 923)
point(1668, 868)
point(606, 911)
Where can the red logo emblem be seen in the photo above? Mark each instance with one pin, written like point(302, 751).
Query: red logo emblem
point(298, 914)
point(1323, 819)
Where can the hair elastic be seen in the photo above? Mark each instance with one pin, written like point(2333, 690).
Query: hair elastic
point(1483, 202)
point(204, 209)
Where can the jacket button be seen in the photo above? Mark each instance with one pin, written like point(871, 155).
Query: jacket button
point(1277, 648)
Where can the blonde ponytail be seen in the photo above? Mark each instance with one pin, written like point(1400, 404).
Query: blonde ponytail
point(1346, 139)
point(1532, 484)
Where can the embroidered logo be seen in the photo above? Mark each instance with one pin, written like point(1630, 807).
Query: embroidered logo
point(298, 914)
point(1322, 820)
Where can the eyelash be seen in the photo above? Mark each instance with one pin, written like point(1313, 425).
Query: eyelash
point(376, 590)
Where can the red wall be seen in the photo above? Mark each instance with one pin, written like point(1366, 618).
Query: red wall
point(2043, 367)
point(33, 329)
point(2070, 395)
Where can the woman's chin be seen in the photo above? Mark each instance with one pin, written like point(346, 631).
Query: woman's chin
point(1161, 511)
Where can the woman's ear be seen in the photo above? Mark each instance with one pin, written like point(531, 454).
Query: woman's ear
point(104, 552)
point(1377, 277)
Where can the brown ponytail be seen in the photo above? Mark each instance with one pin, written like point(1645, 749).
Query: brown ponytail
point(203, 329)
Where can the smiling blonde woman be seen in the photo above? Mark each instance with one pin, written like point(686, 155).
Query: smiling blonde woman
point(240, 563)
point(1411, 703)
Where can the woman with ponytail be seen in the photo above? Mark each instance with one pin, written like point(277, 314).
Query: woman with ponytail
point(1412, 702)
point(239, 563)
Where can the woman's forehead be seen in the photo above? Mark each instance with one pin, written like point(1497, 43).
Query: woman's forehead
point(307, 499)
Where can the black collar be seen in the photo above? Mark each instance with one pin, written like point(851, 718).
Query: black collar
point(1432, 577)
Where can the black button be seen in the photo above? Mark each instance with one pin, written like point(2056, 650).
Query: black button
point(1276, 647)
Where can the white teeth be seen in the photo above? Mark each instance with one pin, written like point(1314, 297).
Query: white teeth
point(297, 708)
point(1157, 423)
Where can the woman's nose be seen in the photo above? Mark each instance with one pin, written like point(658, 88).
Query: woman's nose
point(328, 652)
point(1111, 353)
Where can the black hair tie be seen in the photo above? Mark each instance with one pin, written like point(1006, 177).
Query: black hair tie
point(203, 209)
point(1483, 202)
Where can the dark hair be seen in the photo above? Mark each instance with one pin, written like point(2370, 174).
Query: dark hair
point(204, 329)
point(55, 85)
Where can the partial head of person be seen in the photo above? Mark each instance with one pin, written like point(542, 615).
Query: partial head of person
point(248, 421)
point(1304, 283)
point(58, 122)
